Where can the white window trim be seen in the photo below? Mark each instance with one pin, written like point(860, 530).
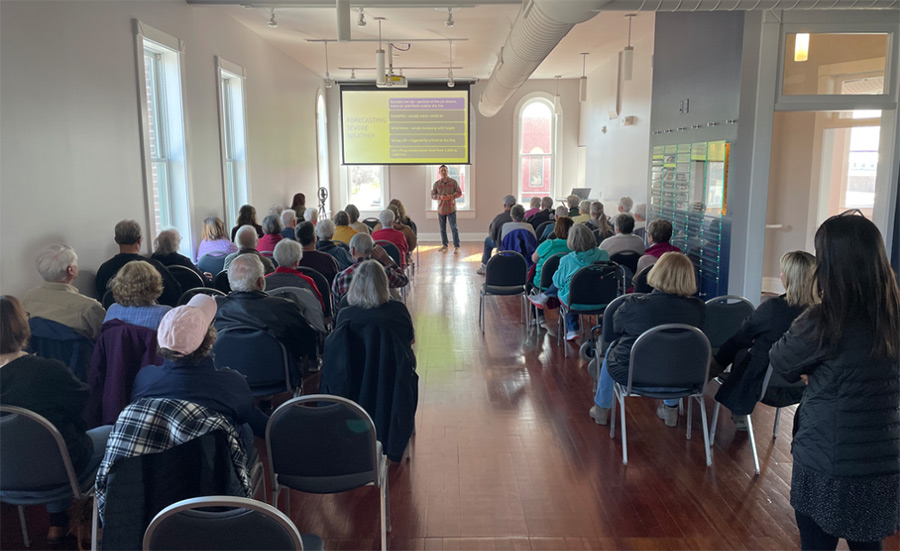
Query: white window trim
point(240, 72)
point(556, 176)
point(385, 189)
point(142, 32)
point(327, 168)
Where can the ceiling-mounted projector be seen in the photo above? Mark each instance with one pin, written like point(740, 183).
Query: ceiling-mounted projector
point(394, 81)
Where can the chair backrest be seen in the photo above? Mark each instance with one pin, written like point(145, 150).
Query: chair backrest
point(548, 269)
point(191, 293)
point(609, 335)
point(391, 250)
point(258, 355)
point(640, 281)
point(33, 455)
point(322, 444)
point(371, 222)
point(323, 287)
point(629, 259)
point(247, 524)
point(108, 299)
point(539, 231)
point(596, 285)
point(186, 277)
point(53, 340)
point(724, 317)
point(506, 269)
point(221, 282)
point(523, 242)
point(308, 303)
point(212, 263)
point(413, 227)
point(672, 355)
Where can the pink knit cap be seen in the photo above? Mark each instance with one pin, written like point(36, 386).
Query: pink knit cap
point(184, 328)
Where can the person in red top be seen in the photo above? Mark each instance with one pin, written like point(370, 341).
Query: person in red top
point(388, 233)
point(288, 254)
point(271, 233)
point(658, 234)
point(446, 191)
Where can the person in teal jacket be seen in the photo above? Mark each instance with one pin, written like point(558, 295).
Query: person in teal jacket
point(555, 245)
point(584, 252)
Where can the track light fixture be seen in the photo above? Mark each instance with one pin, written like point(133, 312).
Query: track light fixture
point(329, 82)
point(449, 22)
point(380, 75)
point(272, 23)
point(361, 19)
point(628, 53)
point(582, 82)
point(450, 82)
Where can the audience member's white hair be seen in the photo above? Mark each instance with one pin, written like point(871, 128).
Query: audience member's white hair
point(517, 213)
point(325, 230)
point(288, 253)
point(387, 218)
point(245, 273)
point(573, 201)
point(288, 218)
point(625, 203)
point(640, 212)
point(311, 214)
point(53, 262)
point(584, 207)
point(369, 286)
point(276, 210)
point(561, 211)
point(167, 242)
point(362, 243)
point(246, 237)
point(535, 202)
point(581, 238)
point(547, 203)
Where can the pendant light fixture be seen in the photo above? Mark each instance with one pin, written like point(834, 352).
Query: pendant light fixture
point(450, 82)
point(582, 82)
point(557, 104)
point(329, 82)
point(380, 78)
point(628, 52)
point(449, 22)
point(272, 23)
point(361, 19)
point(801, 47)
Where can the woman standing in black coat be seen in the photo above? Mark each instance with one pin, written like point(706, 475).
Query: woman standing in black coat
point(846, 475)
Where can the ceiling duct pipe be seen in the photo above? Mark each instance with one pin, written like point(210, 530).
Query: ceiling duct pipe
point(538, 28)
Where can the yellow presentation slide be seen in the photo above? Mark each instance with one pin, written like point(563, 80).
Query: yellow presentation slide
point(413, 127)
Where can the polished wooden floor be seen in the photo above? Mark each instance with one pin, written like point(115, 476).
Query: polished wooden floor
point(506, 457)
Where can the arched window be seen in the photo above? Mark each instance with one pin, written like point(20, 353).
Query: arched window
point(536, 149)
point(322, 142)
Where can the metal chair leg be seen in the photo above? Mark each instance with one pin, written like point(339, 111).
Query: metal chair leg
point(753, 444)
point(624, 436)
point(705, 431)
point(775, 426)
point(689, 416)
point(24, 528)
point(95, 524)
point(481, 312)
point(385, 511)
point(612, 411)
point(712, 426)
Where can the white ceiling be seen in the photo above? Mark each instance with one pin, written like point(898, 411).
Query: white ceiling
point(485, 27)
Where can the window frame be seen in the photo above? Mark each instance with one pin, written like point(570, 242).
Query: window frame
point(323, 166)
point(172, 99)
point(230, 82)
point(385, 188)
point(556, 122)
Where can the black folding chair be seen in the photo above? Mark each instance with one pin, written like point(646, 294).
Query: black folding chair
point(628, 259)
point(212, 263)
point(505, 275)
point(591, 289)
point(191, 293)
point(259, 356)
point(221, 282)
point(186, 277)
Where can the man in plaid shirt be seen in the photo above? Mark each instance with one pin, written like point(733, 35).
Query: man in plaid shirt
point(362, 247)
point(446, 191)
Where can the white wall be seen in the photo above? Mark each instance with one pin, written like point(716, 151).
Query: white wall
point(493, 159)
point(70, 155)
point(617, 158)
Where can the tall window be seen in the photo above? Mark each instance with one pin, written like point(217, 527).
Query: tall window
point(537, 147)
point(234, 138)
point(322, 143)
point(460, 173)
point(367, 187)
point(165, 174)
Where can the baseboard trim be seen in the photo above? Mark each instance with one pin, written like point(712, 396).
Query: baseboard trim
point(467, 237)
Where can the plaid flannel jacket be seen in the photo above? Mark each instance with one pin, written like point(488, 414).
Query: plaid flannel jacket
point(153, 425)
point(396, 279)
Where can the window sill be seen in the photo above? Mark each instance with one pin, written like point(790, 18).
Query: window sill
point(460, 215)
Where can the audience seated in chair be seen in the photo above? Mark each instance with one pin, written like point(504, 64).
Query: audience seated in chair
point(48, 388)
point(342, 230)
point(573, 201)
point(362, 247)
point(558, 243)
point(213, 238)
point(623, 240)
point(673, 301)
point(186, 338)
point(249, 306)
point(247, 243)
point(584, 252)
point(768, 323)
point(246, 217)
point(57, 299)
point(271, 233)
point(324, 233)
point(355, 222)
point(599, 223)
point(406, 227)
point(584, 212)
point(311, 214)
point(659, 232)
point(493, 239)
point(289, 224)
point(319, 261)
point(298, 205)
point(165, 251)
point(534, 207)
point(640, 220)
point(372, 343)
point(518, 235)
point(545, 214)
point(128, 237)
point(388, 233)
point(288, 255)
point(625, 204)
point(136, 289)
